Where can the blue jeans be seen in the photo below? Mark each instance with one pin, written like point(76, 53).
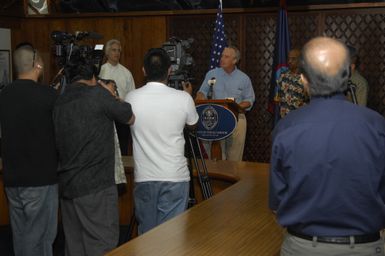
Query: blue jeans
point(158, 201)
point(33, 214)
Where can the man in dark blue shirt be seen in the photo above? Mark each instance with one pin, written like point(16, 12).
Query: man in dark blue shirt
point(327, 177)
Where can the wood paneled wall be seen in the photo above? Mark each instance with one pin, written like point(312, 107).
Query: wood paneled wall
point(361, 25)
point(137, 35)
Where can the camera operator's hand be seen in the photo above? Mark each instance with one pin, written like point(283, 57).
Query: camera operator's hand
point(110, 87)
point(187, 87)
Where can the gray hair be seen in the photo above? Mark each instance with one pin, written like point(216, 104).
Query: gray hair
point(109, 45)
point(237, 52)
point(321, 82)
point(24, 58)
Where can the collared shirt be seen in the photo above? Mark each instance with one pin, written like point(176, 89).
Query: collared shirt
point(122, 77)
point(236, 85)
point(327, 175)
point(84, 130)
point(291, 93)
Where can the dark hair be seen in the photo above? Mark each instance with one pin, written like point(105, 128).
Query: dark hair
point(354, 58)
point(322, 84)
point(78, 68)
point(156, 64)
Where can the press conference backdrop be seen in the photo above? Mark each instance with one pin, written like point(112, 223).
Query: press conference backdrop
point(255, 36)
point(253, 30)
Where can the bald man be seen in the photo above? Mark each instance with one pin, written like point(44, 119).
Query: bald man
point(29, 155)
point(327, 176)
point(291, 93)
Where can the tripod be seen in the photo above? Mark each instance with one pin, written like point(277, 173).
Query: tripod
point(193, 154)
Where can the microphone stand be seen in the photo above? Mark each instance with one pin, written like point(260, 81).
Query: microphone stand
point(210, 93)
point(352, 91)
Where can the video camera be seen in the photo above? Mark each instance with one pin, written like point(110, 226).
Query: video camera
point(181, 61)
point(66, 48)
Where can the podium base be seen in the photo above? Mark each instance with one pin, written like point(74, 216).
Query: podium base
point(216, 150)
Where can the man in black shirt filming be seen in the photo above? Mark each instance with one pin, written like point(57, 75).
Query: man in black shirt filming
point(83, 118)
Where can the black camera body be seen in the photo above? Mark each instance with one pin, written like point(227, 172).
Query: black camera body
point(67, 51)
point(66, 48)
point(181, 61)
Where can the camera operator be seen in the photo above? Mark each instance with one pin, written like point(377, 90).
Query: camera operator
point(83, 118)
point(161, 171)
point(29, 155)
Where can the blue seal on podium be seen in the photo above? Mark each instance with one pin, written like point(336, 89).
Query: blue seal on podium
point(216, 122)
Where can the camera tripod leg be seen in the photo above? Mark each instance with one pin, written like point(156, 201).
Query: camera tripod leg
point(192, 200)
point(201, 168)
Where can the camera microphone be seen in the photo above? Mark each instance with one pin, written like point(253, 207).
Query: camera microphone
point(59, 36)
point(79, 35)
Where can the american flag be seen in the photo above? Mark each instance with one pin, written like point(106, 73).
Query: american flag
point(219, 39)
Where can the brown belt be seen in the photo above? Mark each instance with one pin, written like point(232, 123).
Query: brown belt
point(358, 239)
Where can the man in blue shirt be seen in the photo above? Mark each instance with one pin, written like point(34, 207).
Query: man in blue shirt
point(327, 177)
point(230, 82)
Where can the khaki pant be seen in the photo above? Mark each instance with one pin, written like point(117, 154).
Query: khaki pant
point(296, 246)
point(233, 146)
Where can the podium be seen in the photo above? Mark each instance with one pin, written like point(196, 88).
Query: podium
point(217, 121)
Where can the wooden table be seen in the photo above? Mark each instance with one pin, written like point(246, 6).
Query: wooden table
point(236, 221)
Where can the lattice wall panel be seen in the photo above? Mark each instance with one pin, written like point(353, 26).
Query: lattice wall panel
point(302, 28)
point(260, 40)
point(255, 35)
point(260, 31)
point(366, 32)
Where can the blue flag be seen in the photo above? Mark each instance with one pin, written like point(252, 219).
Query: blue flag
point(281, 53)
point(219, 39)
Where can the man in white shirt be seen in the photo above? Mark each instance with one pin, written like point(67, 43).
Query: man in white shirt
point(113, 70)
point(161, 171)
point(124, 81)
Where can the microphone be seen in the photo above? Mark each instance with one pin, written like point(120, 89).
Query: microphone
point(79, 35)
point(212, 81)
point(59, 36)
point(211, 84)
